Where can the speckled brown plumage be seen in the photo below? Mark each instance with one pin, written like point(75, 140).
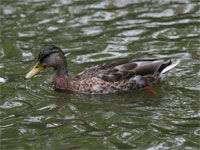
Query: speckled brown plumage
point(96, 85)
point(114, 77)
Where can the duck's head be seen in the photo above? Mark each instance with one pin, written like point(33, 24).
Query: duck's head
point(50, 56)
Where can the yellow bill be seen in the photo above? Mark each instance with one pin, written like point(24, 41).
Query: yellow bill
point(36, 69)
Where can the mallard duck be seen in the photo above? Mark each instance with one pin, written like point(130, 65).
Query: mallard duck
point(114, 77)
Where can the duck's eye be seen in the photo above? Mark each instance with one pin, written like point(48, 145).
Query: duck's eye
point(44, 65)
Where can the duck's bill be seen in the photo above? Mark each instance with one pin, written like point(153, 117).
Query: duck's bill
point(36, 69)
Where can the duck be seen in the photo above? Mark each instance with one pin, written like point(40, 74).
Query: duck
point(119, 76)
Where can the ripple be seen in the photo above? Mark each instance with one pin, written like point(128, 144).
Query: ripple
point(158, 146)
point(173, 33)
point(107, 16)
point(126, 134)
point(9, 10)
point(34, 119)
point(179, 141)
point(2, 80)
point(26, 34)
point(131, 33)
point(162, 33)
point(170, 23)
point(48, 107)
point(53, 125)
point(120, 43)
point(52, 28)
point(27, 54)
point(99, 133)
point(45, 21)
point(129, 24)
point(92, 31)
point(197, 132)
point(61, 21)
point(8, 105)
point(165, 13)
point(113, 4)
point(100, 56)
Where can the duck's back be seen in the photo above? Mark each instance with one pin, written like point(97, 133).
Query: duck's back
point(124, 69)
point(121, 76)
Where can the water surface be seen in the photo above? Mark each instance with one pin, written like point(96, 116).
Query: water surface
point(34, 116)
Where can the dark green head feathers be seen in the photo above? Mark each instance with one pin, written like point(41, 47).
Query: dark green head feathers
point(48, 50)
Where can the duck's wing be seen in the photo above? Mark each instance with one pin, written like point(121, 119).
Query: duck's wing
point(124, 69)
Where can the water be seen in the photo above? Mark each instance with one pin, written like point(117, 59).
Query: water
point(34, 116)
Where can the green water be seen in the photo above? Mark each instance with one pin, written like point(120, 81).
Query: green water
point(34, 116)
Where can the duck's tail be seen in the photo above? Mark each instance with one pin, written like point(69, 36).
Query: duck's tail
point(170, 66)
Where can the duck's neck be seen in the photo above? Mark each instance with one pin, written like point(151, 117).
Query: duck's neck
point(61, 84)
point(60, 80)
point(61, 71)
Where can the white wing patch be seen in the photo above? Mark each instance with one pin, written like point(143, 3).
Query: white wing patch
point(176, 62)
point(96, 87)
point(138, 80)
